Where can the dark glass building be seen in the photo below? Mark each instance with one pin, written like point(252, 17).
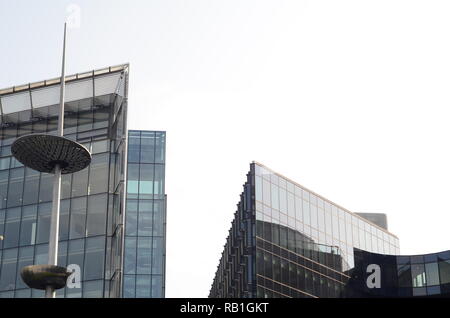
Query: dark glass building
point(287, 241)
point(94, 200)
point(399, 276)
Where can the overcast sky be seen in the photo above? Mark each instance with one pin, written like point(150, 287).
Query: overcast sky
point(348, 98)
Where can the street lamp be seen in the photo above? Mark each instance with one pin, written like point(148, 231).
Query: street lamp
point(57, 155)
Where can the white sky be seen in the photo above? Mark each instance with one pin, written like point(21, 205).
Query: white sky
point(348, 98)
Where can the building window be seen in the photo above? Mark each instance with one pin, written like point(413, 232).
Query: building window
point(77, 218)
point(94, 258)
point(12, 226)
point(432, 271)
point(418, 275)
point(96, 216)
point(444, 271)
point(28, 227)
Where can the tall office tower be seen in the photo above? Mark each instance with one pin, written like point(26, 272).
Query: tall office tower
point(144, 262)
point(287, 241)
point(94, 200)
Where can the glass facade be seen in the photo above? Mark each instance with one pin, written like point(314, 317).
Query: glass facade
point(145, 248)
point(292, 242)
point(94, 200)
point(281, 201)
point(400, 276)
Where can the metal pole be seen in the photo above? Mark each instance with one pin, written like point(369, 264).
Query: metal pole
point(63, 88)
point(54, 226)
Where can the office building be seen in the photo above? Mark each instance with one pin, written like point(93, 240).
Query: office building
point(287, 241)
point(144, 261)
point(95, 201)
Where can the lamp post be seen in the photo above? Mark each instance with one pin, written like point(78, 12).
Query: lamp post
point(57, 155)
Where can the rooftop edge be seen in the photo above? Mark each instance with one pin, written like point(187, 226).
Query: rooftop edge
point(68, 78)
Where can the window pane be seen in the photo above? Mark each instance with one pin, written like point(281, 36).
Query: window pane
point(133, 179)
point(64, 215)
point(160, 147)
point(62, 254)
point(41, 254)
point(298, 209)
point(93, 263)
point(129, 286)
point(80, 183)
point(43, 229)
point(45, 188)
point(98, 176)
point(157, 255)
point(369, 242)
point(12, 226)
point(96, 218)
point(73, 292)
point(283, 200)
point(15, 187)
point(77, 218)
point(93, 289)
point(349, 238)
point(133, 148)
point(306, 214)
point(29, 225)
point(99, 146)
point(85, 121)
point(101, 118)
point(131, 215)
point(266, 192)
point(23, 293)
point(275, 198)
point(404, 275)
point(148, 147)
point(130, 255)
point(66, 184)
point(145, 217)
point(432, 271)
point(3, 188)
point(157, 282)
point(26, 255)
point(15, 163)
point(146, 181)
point(314, 217)
point(158, 217)
point(76, 253)
point(8, 272)
point(291, 205)
point(143, 286)
point(159, 182)
point(4, 163)
point(258, 188)
point(144, 255)
point(444, 270)
point(31, 189)
point(418, 275)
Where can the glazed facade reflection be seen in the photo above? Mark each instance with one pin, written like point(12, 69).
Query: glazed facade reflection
point(287, 241)
point(399, 276)
point(145, 248)
point(93, 200)
point(290, 264)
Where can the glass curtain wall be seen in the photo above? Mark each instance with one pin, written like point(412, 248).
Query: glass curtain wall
point(90, 219)
point(144, 260)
